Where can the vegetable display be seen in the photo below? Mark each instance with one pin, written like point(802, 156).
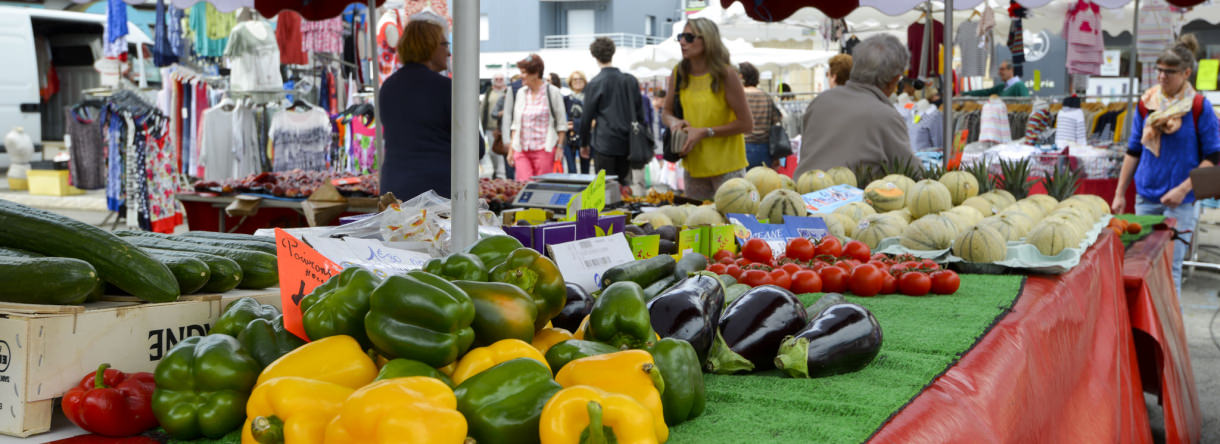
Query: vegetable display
point(112, 403)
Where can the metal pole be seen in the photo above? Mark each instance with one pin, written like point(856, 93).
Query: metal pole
point(465, 123)
point(378, 145)
point(947, 85)
point(1133, 63)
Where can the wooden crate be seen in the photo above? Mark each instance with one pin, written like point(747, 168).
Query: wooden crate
point(45, 349)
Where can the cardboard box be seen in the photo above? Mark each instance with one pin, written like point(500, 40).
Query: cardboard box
point(51, 183)
point(46, 349)
point(588, 224)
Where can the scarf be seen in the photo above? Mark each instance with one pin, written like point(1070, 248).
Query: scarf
point(1166, 116)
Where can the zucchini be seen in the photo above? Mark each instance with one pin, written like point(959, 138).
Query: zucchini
point(115, 260)
point(659, 287)
point(258, 269)
point(224, 273)
point(690, 263)
point(229, 236)
point(17, 252)
point(643, 272)
point(240, 245)
point(191, 273)
point(46, 280)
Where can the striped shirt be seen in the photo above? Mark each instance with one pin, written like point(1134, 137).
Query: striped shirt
point(535, 120)
point(761, 110)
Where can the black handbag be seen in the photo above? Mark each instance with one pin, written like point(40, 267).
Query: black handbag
point(641, 145)
point(780, 146)
point(672, 141)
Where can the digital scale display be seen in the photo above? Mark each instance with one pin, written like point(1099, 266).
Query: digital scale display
point(555, 191)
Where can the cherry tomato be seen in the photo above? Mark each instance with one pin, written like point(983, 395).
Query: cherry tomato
point(726, 261)
point(945, 282)
point(781, 278)
point(755, 278)
point(743, 262)
point(830, 246)
point(865, 280)
point(734, 271)
point(818, 266)
point(889, 285)
point(717, 268)
point(791, 268)
point(722, 254)
point(834, 279)
point(914, 284)
point(806, 281)
point(757, 250)
point(857, 250)
point(912, 265)
point(800, 249)
point(881, 257)
point(846, 266)
point(930, 264)
point(880, 266)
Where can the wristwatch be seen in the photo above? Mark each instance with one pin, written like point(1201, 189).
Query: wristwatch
point(711, 132)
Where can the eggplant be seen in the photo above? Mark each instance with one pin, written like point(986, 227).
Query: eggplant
point(689, 311)
point(752, 328)
point(843, 338)
point(579, 304)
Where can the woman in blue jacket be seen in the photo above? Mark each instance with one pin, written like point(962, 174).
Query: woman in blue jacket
point(1175, 132)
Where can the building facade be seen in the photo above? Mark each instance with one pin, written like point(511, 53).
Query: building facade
point(528, 25)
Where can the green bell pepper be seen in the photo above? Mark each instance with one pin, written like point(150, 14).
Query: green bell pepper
point(266, 341)
point(403, 368)
point(503, 404)
point(620, 317)
point(239, 313)
point(493, 250)
point(420, 316)
point(202, 387)
point(458, 266)
point(539, 277)
point(501, 311)
point(570, 350)
point(341, 309)
point(684, 397)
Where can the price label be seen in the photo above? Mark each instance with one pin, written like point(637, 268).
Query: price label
point(583, 261)
point(301, 270)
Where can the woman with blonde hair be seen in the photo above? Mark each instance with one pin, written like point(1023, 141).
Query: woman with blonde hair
point(577, 161)
point(711, 101)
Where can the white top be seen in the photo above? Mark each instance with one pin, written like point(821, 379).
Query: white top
point(1070, 127)
point(254, 57)
point(215, 144)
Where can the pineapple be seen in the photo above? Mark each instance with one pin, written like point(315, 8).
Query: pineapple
point(935, 172)
point(1062, 181)
point(866, 173)
point(980, 173)
point(910, 167)
point(1014, 177)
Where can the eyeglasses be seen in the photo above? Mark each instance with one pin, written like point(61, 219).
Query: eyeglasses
point(1163, 71)
point(689, 37)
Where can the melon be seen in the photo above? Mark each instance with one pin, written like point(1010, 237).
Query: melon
point(972, 214)
point(903, 182)
point(1046, 202)
point(856, 211)
point(814, 180)
point(961, 185)
point(1009, 232)
point(1052, 237)
point(885, 195)
point(997, 200)
point(960, 221)
point(675, 214)
point(765, 179)
point(928, 197)
point(1008, 197)
point(931, 232)
point(786, 183)
point(837, 224)
point(980, 243)
point(704, 215)
point(1102, 206)
point(1020, 223)
point(781, 203)
point(985, 207)
point(903, 214)
point(656, 218)
point(1096, 205)
point(736, 195)
point(843, 176)
point(1027, 207)
point(872, 229)
point(1077, 212)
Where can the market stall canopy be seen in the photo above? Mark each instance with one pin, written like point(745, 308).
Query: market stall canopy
point(309, 9)
point(776, 10)
point(668, 53)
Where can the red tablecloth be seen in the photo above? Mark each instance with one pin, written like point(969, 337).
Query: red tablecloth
point(1060, 368)
point(1100, 187)
point(1160, 338)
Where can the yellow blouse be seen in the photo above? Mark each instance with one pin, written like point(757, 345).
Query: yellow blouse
point(703, 108)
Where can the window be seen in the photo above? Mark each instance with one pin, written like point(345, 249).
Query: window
point(484, 28)
point(650, 25)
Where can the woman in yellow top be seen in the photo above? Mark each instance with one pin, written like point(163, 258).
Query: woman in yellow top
point(715, 113)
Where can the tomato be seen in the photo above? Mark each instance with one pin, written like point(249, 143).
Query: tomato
point(945, 282)
point(806, 281)
point(791, 268)
point(800, 249)
point(755, 278)
point(726, 261)
point(889, 285)
point(898, 269)
point(881, 257)
point(734, 271)
point(781, 278)
point(914, 284)
point(866, 280)
point(930, 264)
point(834, 279)
point(722, 254)
point(880, 266)
point(857, 250)
point(830, 246)
point(717, 268)
point(757, 250)
point(846, 266)
point(743, 262)
point(818, 266)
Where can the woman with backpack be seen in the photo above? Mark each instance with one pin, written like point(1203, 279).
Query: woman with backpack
point(539, 123)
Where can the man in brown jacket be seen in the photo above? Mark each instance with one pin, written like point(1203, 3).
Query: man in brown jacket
point(856, 123)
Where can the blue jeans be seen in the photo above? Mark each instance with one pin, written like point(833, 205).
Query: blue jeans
point(1185, 214)
point(758, 154)
point(572, 154)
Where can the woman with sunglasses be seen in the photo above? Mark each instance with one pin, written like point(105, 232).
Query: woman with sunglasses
point(1175, 131)
point(539, 123)
point(715, 115)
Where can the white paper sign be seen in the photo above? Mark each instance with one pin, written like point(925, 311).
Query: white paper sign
point(582, 262)
point(1111, 62)
point(368, 253)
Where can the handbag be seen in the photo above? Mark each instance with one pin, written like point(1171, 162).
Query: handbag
point(672, 141)
point(780, 146)
point(497, 146)
point(640, 144)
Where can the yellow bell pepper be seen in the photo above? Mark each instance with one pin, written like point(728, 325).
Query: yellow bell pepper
point(629, 372)
point(576, 409)
point(580, 331)
point(292, 409)
point(483, 358)
point(448, 369)
point(548, 325)
point(545, 338)
point(411, 410)
point(335, 359)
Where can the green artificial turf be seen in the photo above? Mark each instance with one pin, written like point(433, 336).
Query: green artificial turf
point(923, 337)
point(1146, 222)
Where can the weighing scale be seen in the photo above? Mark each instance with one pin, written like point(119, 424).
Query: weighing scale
point(555, 190)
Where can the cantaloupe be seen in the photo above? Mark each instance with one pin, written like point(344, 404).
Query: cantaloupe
point(980, 243)
point(1046, 202)
point(1010, 232)
point(885, 195)
point(1008, 197)
point(837, 224)
point(675, 214)
point(972, 214)
point(786, 183)
point(998, 200)
point(961, 185)
point(656, 218)
point(1052, 237)
point(814, 180)
point(960, 221)
point(903, 214)
point(1078, 213)
point(737, 195)
point(985, 207)
point(765, 179)
point(1020, 223)
point(704, 215)
point(903, 182)
point(1027, 207)
point(1096, 206)
point(931, 232)
point(781, 203)
point(843, 176)
point(856, 211)
point(872, 229)
point(928, 197)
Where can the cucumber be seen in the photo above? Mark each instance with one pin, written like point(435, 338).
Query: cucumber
point(240, 245)
point(229, 236)
point(726, 280)
point(659, 287)
point(258, 269)
point(17, 252)
point(732, 292)
point(191, 273)
point(643, 272)
point(690, 263)
point(114, 260)
point(224, 273)
point(46, 280)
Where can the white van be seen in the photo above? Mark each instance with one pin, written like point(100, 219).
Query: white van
point(75, 42)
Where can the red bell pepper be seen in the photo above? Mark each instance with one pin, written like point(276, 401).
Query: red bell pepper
point(112, 403)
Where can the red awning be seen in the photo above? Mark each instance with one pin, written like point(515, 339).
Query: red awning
point(776, 10)
point(309, 9)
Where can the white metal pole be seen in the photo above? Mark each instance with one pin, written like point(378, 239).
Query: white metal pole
point(1133, 63)
point(947, 85)
point(374, 53)
point(464, 123)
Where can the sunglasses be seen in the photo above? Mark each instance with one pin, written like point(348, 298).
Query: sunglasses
point(1167, 71)
point(688, 37)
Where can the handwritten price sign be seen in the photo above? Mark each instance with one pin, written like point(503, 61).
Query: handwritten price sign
point(301, 270)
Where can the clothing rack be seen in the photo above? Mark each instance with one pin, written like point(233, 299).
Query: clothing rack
point(1055, 97)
